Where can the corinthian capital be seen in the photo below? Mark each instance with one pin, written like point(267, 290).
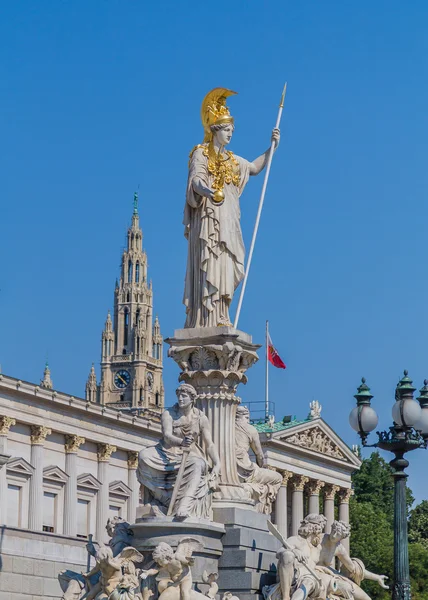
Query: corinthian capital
point(330, 491)
point(298, 482)
point(105, 451)
point(286, 476)
point(39, 434)
point(5, 424)
point(72, 443)
point(132, 460)
point(345, 495)
point(315, 486)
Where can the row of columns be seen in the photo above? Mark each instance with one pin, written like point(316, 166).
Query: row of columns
point(72, 443)
point(301, 484)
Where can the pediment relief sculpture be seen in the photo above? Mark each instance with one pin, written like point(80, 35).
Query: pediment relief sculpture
point(317, 440)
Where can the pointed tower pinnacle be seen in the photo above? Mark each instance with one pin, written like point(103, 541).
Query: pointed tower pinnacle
point(91, 386)
point(135, 203)
point(46, 382)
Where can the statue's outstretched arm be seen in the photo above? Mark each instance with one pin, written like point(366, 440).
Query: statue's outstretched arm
point(379, 578)
point(259, 163)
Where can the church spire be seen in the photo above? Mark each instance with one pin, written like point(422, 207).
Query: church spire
point(46, 382)
point(131, 356)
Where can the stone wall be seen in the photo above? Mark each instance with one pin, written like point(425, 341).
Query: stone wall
point(30, 562)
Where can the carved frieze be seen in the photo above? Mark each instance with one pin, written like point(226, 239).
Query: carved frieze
point(315, 439)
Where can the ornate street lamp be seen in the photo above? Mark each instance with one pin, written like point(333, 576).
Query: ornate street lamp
point(409, 432)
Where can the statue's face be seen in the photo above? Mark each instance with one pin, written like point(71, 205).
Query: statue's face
point(245, 416)
point(224, 136)
point(184, 399)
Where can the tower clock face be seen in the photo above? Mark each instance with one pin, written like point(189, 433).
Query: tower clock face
point(122, 379)
point(150, 380)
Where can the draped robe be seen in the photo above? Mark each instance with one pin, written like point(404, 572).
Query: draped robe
point(215, 259)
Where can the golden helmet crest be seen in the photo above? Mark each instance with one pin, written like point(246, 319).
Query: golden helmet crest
point(214, 110)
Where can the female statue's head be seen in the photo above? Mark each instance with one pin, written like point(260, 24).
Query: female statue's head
point(222, 133)
point(242, 413)
point(186, 395)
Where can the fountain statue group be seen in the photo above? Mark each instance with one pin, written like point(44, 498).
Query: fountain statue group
point(207, 438)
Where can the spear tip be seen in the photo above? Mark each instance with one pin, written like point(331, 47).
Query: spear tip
point(284, 91)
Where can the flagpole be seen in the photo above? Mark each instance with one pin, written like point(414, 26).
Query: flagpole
point(259, 212)
point(267, 374)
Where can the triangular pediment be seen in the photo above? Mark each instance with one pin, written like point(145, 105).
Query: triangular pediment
point(315, 436)
point(19, 466)
point(118, 487)
point(87, 480)
point(54, 473)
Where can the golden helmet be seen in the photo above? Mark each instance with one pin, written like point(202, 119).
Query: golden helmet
point(214, 110)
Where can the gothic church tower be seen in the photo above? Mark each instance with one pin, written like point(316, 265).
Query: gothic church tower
point(131, 345)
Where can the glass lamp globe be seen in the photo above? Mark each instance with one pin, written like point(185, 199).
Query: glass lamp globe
point(368, 419)
point(406, 412)
point(422, 424)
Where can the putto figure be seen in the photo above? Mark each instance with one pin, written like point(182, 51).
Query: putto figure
point(217, 178)
point(177, 468)
point(262, 483)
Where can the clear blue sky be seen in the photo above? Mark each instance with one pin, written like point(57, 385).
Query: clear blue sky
point(98, 97)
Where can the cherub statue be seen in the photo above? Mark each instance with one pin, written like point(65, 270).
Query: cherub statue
point(72, 583)
point(174, 575)
point(111, 570)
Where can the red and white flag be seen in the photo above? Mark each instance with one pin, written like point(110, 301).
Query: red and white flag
point(273, 356)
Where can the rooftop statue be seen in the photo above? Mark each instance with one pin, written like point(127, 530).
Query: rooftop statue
point(217, 178)
point(175, 470)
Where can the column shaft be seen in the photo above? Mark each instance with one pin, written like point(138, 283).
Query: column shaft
point(5, 424)
point(72, 443)
point(298, 485)
point(281, 516)
point(104, 453)
point(134, 498)
point(344, 496)
point(330, 492)
point(35, 515)
point(314, 504)
point(35, 509)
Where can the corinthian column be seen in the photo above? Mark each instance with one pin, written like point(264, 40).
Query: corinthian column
point(72, 443)
point(329, 494)
point(104, 453)
point(281, 516)
point(5, 424)
point(344, 497)
point(297, 486)
point(35, 514)
point(314, 487)
point(134, 485)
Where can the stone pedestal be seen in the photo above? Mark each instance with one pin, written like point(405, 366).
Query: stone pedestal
point(150, 531)
point(214, 360)
point(249, 559)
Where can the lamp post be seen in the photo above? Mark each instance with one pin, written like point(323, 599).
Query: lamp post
point(409, 432)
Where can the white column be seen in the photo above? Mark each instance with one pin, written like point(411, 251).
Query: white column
point(314, 487)
point(329, 494)
point(5, 424)
point(344, 497)
point(297, 486)
point(72, 443)
point(281, 517)
point(35, 510)
point(104, 453)
point(133, 483)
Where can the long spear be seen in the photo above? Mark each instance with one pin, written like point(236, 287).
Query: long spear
point(259, 212)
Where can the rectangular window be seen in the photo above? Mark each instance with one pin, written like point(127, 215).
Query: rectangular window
point(82, 518)
point(13, 505)
point(49, 511)
point(114, 511)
